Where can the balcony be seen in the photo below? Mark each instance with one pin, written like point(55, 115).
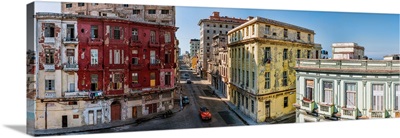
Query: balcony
point(49, 67)
point(95, 41)
point(377, 114)
point(154, 65)
point(75, 94)
point(349, 113)
point(136, 66)
point(307, 105)
point(139, 89)
point(326, 109)
point(70, 41)
point(94, 67)
point(71, 67)
point(95, 94)
point(50, 95)
point(154, 44)
point(135, 42)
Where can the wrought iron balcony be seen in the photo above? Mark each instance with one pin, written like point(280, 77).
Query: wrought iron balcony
point(349, 113)
point(135, 42)
point(95, 41)
point(49, 67)
point(70, 40)
point(136, 66)
point(154, 64)
point(71, 67)
point(75, 94)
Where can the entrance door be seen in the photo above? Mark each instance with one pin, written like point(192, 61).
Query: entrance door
point(267, 109)
point(115, 111)
point(98, 116)
point(64, 121)
point(134, 112)
point(91, 117)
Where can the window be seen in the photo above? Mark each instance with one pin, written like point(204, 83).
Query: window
point(125, 5)
point(220, 26)
point(308, 54)
point(164, 11)
point(377, 97)
point(165, 21)
point(253, 29)
point(208, 25)
point(135, 78)
point(135, 11)
point(252, 106)
point(267, 28)
point(247, 79)
point(309, 37)
point(153, 59)
point(208, 38)
point(298, 35)
point(81, 4)
point(76, 116)
point(70, 56)
point(309, 90)
point(167, 37)
point(94, 32)
point(49, 29)
point(93, 80)
point(397, 99)
point(69, 5)
point(49, 56)
point(267, 80)
point(94, 57)
point(94, 4)
point(285, 54)
point(350, 95)
point(208, 44)
point(215, 25)
point(284, 81)
point(220, 32)
point(226, 26)
point(285, 102)
point(116, 32)
point(247, 53)
point(117, 56)
point(151, 11)
point(242, 100)
point(267, 55)
point(247, 103)
point(285, 33)
point(298, 53)
point(253, 80)
point(116, 81)
point(73, 103)
point(233, 26)
point(135, 59)
point(49, 85)
point(208, 31)
point(70, 32)
point(327, 95)
point(152, 79)
point(167, 57)
point(167, 78)
point(152, 36)
point(135, 36)
point(214, 31)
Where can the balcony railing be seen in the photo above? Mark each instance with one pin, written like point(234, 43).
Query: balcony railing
point(144, 89)
point(49, 67)
point(135, 42)
point(50, 95)
point(154, 44)
point(377, 114)
point(356, 65)
point(136, 66)
point(70, 40)
point(75, 94)
point(349, 113)
point(95, 41)
point(71, 67)
point(326, 109)
point(307, 105)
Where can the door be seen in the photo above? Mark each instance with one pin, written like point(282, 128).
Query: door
point(91, 117)
point(72, 87)
point(98, 116)
point(267, 109)
point(134, 112)
point(64, 121)
point(115, 111)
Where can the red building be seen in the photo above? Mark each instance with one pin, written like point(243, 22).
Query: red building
point(124, 58)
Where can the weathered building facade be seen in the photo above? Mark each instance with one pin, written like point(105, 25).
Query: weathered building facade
point(215, 24)
point(347, 89)
point(194, 46)
point(218, 64)
point(133, 12)
point(95, 70)
point(347, 51)
point(262, 54)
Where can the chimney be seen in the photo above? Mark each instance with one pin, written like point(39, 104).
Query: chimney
point(216, 14)
point(250, 17)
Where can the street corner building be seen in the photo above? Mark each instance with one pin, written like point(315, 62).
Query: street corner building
point(347, 87)
point(96, 69)
point(262, 56)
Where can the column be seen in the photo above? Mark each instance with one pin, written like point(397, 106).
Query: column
point(364, 97)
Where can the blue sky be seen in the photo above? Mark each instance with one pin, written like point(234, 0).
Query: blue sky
point(378, 33)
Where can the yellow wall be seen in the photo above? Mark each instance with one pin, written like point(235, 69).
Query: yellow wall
point(194, 62)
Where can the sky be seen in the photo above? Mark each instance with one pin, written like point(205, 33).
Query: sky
point(378, 33)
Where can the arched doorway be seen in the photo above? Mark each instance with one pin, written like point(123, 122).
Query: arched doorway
point(115, 111)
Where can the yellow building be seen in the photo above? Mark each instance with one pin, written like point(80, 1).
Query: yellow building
point(194, 62)
point(263, 52)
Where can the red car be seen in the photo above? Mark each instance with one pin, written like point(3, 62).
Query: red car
point(205, 113)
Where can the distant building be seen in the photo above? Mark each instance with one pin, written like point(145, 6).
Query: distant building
point(324, 54)
point(347, 51)
point(347, 89)
point(392, 57)
point(215, 24)
point(217, 65)
point(194, 46)
point(262, 53)
point(142, 13)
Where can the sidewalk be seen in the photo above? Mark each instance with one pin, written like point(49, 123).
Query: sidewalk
point(63, 131)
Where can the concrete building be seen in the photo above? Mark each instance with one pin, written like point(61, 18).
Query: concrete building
point(95, 76)
point(215, 24)
point(133, 12)
point(392, 57)
point(218, 68)
point(262, 53)
point(194, 46)
point(324, 54)
point(347, 51)
point(347, 89)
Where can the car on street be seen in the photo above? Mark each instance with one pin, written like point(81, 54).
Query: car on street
point(188, 81)
point(204, 113)
point(185, 100)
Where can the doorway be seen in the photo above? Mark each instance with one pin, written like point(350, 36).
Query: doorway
point(115, 111)
point(91, 117)
point(64, 121)
point(134, 112)
point(267, 110)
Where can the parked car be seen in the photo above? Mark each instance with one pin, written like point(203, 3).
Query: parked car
point(204, 113)
point(185, 100)
point(188, 81)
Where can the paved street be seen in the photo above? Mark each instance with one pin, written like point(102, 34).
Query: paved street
point(199, 95)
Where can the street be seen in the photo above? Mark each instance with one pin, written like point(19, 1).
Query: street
point(199, 95)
